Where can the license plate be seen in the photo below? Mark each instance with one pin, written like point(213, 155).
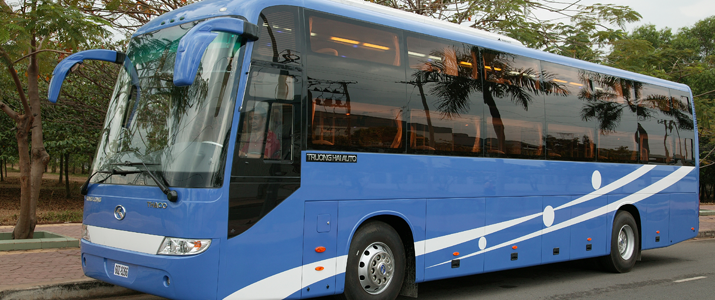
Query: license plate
point(121, 270)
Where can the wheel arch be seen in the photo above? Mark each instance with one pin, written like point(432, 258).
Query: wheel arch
point(405, 229)
point(633, 210)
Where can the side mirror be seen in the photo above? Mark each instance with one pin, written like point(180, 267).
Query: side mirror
point(61, 70)
point(194, 43)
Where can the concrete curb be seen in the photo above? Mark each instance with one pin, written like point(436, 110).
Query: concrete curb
point(706, 234)
point(83, 289)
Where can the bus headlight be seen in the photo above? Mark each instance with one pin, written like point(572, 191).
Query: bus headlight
point(85, 233)
point(177, 246)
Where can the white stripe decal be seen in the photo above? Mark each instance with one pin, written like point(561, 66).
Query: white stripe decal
point(286, 283)
point(611, 187)
point(126, 240)
point(446, 241)
point(419, 248)
point(646, 192)
point(278, 286)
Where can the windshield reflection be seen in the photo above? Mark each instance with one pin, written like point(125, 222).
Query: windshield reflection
point(180, 131)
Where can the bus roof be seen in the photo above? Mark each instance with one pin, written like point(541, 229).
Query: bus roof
point(378, 14)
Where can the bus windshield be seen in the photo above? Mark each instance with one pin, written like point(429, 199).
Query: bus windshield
point(179, 133)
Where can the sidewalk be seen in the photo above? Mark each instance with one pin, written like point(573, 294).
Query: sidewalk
point(49, 273)
point(57, 273)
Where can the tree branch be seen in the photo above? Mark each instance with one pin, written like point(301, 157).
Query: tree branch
point(43, 50)
point(704, 94)
point(16, 79)
point(11, 113)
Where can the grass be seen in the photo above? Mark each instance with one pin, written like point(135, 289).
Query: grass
point(67, 216)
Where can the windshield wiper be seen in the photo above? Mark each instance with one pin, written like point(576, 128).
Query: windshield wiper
point(85, 186)
point(170, 195)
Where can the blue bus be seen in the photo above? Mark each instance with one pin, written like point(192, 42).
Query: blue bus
point(294, 149)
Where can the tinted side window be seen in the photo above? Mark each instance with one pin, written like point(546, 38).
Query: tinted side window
point(570, 136)
point(266, 164)
point(681, 128)
point(655, 145)
point(609, 102)
point(444, 92)
point(356, 86)
point(336, 37)
point(277, 42)
point(514, 108)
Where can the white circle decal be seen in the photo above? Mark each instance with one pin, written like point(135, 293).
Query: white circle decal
point(596, 180)
point(482, 243)
point(548, 216)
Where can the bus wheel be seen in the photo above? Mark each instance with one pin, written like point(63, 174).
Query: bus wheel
point(376, 263)
point(624, 244)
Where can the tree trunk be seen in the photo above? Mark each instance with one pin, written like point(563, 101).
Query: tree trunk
point(25, 226)
point(32, 160)
point(67, 175)
point(2, 162)
point(39, 155)
point(61, 167)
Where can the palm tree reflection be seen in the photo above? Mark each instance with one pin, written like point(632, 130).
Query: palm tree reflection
point(455, 79)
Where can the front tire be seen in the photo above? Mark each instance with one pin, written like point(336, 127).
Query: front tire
point(625, 244)
point(376, 263)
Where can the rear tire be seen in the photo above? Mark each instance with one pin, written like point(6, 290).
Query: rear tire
point(625, 244)
point(376, 263)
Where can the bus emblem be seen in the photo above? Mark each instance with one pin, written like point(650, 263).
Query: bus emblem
point(120, 212)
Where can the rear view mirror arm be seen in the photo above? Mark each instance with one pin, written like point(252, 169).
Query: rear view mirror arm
point(67, 65)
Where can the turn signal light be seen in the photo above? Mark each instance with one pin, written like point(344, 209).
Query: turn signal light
point(320, 249)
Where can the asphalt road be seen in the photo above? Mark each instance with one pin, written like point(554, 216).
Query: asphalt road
point(683, 271)
point(675, 272)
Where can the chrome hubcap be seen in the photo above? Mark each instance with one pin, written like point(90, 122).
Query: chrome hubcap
point(375, 268)
point(626, 242)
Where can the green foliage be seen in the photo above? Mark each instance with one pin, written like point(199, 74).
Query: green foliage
point(590, 27)
point(126, 15)
point(688, 57)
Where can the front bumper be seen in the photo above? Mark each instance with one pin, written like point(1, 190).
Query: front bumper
point(175, 277)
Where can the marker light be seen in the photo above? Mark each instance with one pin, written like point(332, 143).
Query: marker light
point(319, 268)
point(455, 253)
point(85, 233)
point(177, 246)
point(657, 232)
point(588, 239)
point(514, 247)
point(320, 249)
